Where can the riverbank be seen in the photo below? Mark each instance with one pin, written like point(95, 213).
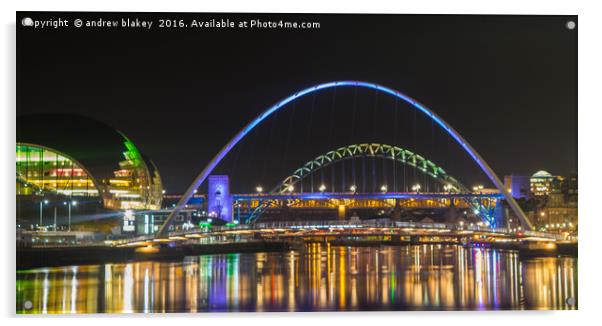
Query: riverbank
point(50, 257)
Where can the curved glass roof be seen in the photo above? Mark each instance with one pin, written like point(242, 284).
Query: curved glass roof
point(125, 177)
point(40, 169)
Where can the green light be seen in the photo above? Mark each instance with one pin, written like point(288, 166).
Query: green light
point(132, 154)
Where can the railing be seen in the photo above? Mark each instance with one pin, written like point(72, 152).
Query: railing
point(340, 224)
point(376, 223)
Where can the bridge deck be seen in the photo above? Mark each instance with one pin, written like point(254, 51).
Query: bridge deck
point(344, 228)
point(351, 195)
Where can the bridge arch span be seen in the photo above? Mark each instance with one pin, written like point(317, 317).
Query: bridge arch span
point(390, 152)
point(349, 83)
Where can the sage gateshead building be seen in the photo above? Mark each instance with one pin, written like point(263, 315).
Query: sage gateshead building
point(70, 157)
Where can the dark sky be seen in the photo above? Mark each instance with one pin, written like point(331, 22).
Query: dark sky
point(508, 84)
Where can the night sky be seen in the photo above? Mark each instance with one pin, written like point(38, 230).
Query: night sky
point(508, 84)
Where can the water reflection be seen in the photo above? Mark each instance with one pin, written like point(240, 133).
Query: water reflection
point(320, 278)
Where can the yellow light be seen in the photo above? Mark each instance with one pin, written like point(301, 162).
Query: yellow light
point(149, 249)
point(117, 181)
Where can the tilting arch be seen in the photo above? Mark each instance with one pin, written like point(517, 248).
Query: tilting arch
point(390, 152)
point(415, 104)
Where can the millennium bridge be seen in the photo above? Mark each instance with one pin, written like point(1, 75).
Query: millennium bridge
point(477, 215)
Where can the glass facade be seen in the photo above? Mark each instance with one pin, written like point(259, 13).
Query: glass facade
point(41, 170)
point(133, 185)
point(543, 183)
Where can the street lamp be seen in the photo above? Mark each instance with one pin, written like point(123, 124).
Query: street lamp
point(71, 203)
point(45, 202)
point(353, 188)
point(447, 188)
point(416, 188)
point(290, 188)
point(322, 188)
point(383, 188)
point(259, 189)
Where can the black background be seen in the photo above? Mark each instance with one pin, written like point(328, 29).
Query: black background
point(508, 84)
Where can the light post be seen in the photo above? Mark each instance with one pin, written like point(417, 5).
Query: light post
point(353, 188)
point(54, 228)
point(322, 188)
point(447, 188)
point(477, 189)
point(416, 188)
point(69, 204)
point(42, 202)
point(290, 188)
point(383, 188)
point(259, 189)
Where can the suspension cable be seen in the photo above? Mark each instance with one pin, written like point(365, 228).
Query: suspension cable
point(267, 150)
point(332, 136)
point(351, 135)
point(375, 116)
point(395, 138)
point(288, 138)
point(309, 126)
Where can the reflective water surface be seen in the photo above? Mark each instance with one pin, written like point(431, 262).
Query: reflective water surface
point(321, 278)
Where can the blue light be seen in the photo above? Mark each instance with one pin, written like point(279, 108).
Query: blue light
point(219, 199)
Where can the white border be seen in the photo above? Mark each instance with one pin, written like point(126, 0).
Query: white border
point(589, 28)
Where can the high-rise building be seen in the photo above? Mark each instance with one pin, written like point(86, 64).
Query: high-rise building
point(542, 183)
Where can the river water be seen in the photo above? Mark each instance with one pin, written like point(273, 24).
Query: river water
point(320, 278)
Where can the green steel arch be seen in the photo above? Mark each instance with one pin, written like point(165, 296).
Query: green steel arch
point(394, 153)
point(390, 152)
